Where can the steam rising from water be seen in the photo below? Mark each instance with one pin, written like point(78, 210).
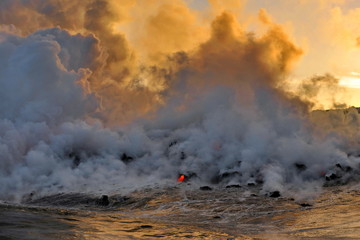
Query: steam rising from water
point(84, 109)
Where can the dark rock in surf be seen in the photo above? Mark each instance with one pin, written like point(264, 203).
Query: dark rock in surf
point(146, 226)
point(65, 200)
point(28, 197)
point(223, 176)
point(233, 186)
point(205, 188)
point(338, 165)
point(331, 176)
point(259, 178)
point(344, 169)
point(103, 201)
point(274, 194)
point(348, 169)
point(118, 201)
point(251, 182)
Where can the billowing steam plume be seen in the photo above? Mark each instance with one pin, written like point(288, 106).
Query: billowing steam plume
point(101, 95)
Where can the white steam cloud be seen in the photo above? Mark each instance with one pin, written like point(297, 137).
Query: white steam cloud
point(219, 117)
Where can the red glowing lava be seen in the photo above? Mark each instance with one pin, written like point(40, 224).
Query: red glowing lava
point(181, 178)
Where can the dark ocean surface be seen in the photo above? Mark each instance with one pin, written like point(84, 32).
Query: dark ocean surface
point(185, 213)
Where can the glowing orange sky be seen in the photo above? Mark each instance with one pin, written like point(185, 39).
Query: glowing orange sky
point(324, 33)
point(327, 30)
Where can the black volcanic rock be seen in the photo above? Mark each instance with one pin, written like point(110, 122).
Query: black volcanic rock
point(223, 176)
point(274, 194)
point(338, 165)
point(146, 226)
point(172, 143)
point(126, 158)
point(103, 201)
point(300, 167)
point(343, 168)
point(348, 169)
point(205, 188)
point(331, 176)
point(75, 159)
point(251, 182)
point(233, 186)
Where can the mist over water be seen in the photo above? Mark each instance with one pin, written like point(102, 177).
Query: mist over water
point(84, 109)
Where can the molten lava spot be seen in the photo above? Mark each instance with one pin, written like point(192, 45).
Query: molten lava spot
point(181, 178)
point(184, 177)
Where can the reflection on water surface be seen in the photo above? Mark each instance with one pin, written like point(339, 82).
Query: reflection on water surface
point(176, 213)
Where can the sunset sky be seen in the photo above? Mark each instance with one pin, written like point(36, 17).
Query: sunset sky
point(327, 30)
point(324, 34)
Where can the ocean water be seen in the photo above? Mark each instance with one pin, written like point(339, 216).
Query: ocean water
point(185, 213)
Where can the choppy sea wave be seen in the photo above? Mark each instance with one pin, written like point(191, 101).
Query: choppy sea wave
point(183, 212)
